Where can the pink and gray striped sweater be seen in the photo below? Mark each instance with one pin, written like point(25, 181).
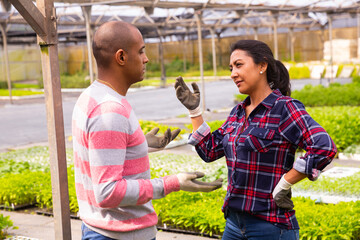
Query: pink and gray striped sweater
point(112, 173)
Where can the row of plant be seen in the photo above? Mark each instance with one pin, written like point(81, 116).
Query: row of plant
point(202, 214)
point(199, 212)
point(334, 95)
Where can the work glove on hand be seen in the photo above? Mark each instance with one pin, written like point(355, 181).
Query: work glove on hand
point(191, 100)
point(282, 194)
point(189, 183)
point(160, 141)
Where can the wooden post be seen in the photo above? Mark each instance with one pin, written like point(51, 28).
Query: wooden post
point(331, 49)
point(358, 34)
point(6, 58)
point(87, 15)
point(42, 19)
point(212, 31)
point(184, 52)
point(161, 56)
point(292, 40)
point(276, 49)
point(256, 37)
point(198, 22)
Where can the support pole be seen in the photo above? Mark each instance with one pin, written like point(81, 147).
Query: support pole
point(358, 34)
point(331, 49)
point(292, 40)
point(161, 56)
point(276, 49)
point(256, 37)
point(185, 51)
point(6, 58)
point(198, 22)
point(212, 31)
point(87, 15)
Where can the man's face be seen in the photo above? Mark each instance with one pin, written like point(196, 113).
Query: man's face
point(137, 58)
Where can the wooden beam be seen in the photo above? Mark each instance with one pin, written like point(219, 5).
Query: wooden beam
point(55, 121)
point(31, 14)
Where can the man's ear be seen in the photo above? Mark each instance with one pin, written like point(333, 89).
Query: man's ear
point(120, 57)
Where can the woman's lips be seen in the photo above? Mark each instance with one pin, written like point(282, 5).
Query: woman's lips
point(238, 83)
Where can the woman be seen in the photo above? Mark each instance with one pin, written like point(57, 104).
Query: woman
point(259, 140)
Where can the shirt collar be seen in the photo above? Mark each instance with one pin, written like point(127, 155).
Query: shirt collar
point(268, 102)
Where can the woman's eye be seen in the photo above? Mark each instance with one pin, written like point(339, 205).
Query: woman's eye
point(230, 69)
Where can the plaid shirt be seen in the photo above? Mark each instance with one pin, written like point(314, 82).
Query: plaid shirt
point(260, 149)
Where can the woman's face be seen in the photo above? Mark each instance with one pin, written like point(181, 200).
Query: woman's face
point(244, 72)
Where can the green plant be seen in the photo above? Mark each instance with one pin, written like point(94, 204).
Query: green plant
point(341, 122)
point(327, 221)
point(5, 225)
point(17, 92)
point(146, 126)
point(298, 72)
point(332, 186)
point(240, 97)
point(4, 85)
point(334, 95)
point(78, 80)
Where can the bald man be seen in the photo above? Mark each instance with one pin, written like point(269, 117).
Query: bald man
point(112, 173)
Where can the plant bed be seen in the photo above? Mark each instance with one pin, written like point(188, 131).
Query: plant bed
point(17, 207)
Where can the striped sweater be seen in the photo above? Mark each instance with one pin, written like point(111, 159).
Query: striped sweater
point(112, 173)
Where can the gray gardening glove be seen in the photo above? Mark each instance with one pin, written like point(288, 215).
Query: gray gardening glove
point(282, 194)
point(191, 100)
point(189, 183)
point(160, 141)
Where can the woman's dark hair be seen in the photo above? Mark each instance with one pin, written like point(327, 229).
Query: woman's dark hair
point(276, 72)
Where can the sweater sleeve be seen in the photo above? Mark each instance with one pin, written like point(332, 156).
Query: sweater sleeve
point(111, 134)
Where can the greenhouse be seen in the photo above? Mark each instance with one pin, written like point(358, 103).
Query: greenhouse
point(46, 62)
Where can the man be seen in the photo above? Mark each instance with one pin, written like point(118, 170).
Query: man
point(112, 172)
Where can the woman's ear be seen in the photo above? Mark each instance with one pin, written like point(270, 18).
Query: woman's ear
point(263, 66)
point(120, 57)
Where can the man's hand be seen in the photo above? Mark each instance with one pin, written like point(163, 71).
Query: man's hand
point(189, 183)
point(282, 194)
point(191, 100)
point(160, 141)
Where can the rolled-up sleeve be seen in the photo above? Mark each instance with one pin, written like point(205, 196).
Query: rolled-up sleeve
point(199, 134)
point(300, 129)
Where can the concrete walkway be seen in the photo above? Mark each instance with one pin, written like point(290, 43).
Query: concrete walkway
point(33, 226)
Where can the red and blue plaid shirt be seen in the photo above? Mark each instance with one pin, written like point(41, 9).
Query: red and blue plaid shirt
point(260, 149)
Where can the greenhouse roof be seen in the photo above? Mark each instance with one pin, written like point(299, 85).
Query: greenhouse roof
point(179, 18)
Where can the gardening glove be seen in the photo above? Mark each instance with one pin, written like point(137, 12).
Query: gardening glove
point(191, 100)
point(282, 194)
point(188, 183)
point(160, 141)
